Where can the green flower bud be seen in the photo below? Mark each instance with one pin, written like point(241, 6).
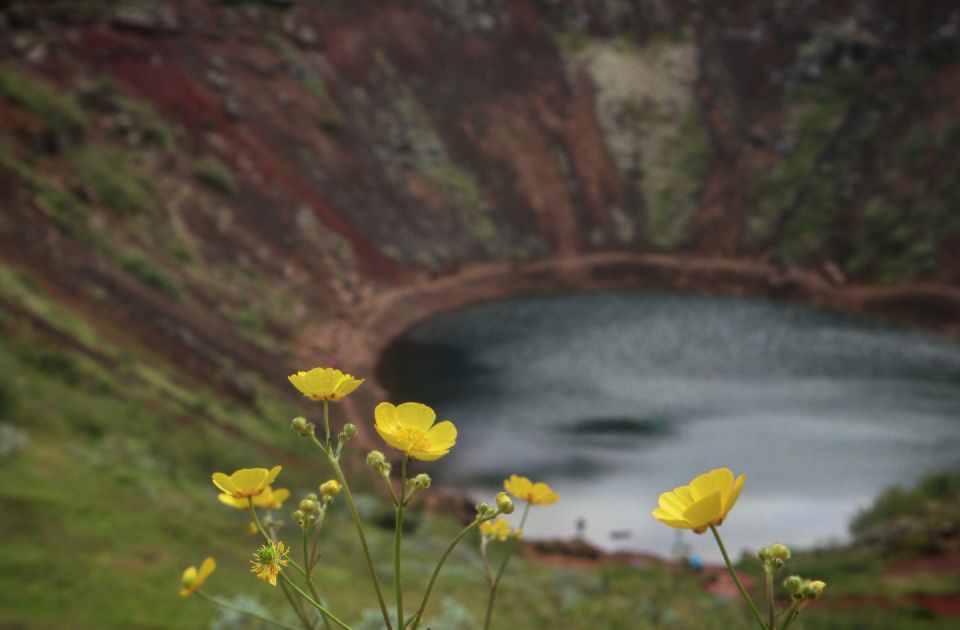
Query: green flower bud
point(298, 517)
point(376, 460)
point(308, 506)
point(779, 552)
point(349, 430)
point(421, 481)
point(483, 509)
point(793, 584)
point(504, 503)
point(301, 426)
point(312, 496)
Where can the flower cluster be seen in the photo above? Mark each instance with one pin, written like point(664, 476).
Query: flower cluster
point(412, 429)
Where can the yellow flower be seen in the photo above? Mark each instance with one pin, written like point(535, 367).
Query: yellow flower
point(409, 427)
point(193, 579)
point(246, 482)
point(537, 493)
point(704, 502)
point(498, 529)
point(269, 560)
point(269, 499)
point(330, 488)
point(325, 383)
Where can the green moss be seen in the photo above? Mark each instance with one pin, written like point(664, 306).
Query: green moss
point(119, 186)
point(459, 186)
point(59, 112)
point(148, 273)
point(799, 184)
point(213, 173)
point(674, 194)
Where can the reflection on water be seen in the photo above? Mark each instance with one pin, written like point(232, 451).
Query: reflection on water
point(614, 398)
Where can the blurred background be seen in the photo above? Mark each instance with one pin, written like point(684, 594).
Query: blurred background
point(617, 242)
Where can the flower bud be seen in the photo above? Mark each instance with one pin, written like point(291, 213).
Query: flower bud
point(504, 503)
point(421, 481)
point(793, 584)
point(308, 520)
point(349, 430)
point(376, 460)
point(816, 588)
point(301, 426)
point(308, 506)
point(189, 579)
point(298, 517)
point(312, 496)
point(779, 551)
point(330, 488)
point(483, 509)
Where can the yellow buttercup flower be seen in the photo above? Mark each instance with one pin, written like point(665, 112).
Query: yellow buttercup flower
point(269, 560)
point(325, 383)
point(410, 427)
point(269, 499)
point(193, 579)
point(498, 529)
point(537, 493)
point(246, 482)
point(704, 502)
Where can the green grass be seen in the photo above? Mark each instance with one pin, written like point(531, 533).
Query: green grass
point(211, 172)
point(119, 186)
point(59, 112)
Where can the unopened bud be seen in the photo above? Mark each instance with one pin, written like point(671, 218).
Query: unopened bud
point(816, 588)
point(312, 496)
point(308, 506)
point(505, 503)
point(376, 460)
point(298, 517)
point(301, 426)
point(421, 481)
point(793, 584)
point(330, 488)
point(348, 431)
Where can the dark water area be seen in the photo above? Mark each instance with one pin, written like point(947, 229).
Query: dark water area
point(614, 398)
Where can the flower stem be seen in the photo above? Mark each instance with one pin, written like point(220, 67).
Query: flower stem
point(255, 615)
point(398, 540)
point(326, 423)
point(743, 591)
point(308, 576)
point(503, 567)
point(338, 473)
point(323, 610)
point(768, 573)
point(792, 613)
point(418, 616)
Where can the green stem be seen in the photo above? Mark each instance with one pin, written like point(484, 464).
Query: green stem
point(255, 615)
point(338, 473)
point(503, 566)
point(769, 583)
point(743, 591)
point(326, 423)
point(323, 610)
point(792, 613)
point(398, 540)
point(418, 616)
point(308, 576)
point(296, 607)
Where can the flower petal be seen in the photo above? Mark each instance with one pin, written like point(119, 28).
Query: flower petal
point(671, 520)
point(415, 415)
point(443, 434)
point(224, 482)
point(670, 502)
point(734, 495)
point(706, 510)
point(208, 566)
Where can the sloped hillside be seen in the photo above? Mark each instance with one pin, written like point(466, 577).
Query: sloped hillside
point(197, 197)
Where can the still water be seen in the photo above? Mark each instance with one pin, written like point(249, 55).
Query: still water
point(614, 398)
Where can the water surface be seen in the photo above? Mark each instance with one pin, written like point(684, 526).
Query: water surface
point(614, 398)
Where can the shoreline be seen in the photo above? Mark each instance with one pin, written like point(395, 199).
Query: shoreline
point(358, 338)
